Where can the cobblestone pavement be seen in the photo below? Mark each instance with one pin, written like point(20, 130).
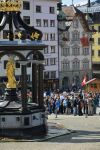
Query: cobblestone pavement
point(86, 136)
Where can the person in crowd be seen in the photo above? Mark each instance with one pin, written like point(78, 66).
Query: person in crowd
point(75, 103)
point(64, 105)
point(86, 106)
point(68, 111)
point(57, 106)
point(90, 105)
point(80, 106)
point(72, 103)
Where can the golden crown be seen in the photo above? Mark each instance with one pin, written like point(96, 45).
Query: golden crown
point(10, 5)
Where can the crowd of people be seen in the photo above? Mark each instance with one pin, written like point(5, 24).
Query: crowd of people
point(79, 103)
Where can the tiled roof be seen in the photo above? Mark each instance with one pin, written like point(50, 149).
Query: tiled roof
point(68, 10)
point(73, 12)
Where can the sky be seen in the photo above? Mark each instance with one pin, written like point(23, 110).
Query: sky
point(75, 2)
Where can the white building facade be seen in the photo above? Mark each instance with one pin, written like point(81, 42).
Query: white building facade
point(42, 14)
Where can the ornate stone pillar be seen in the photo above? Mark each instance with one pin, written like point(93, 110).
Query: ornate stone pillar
point(34, 83)
point(23, 86)
point(40, 85)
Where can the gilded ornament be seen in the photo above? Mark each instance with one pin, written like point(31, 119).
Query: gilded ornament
point(10, 72)
point(10, 5)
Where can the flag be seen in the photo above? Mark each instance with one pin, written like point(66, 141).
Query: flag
point(84, 81)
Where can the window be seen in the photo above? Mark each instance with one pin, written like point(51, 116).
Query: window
point(46, 62)
point(46, 75)
point(38, 9)
point(66, 51)
point(45, 23)
point(92, 40)
point(26, 121)
point(26, 19)
point(5, 34)
point(46, 37)
point(98, 52)
point(75, 51)
point(46, 50)
point(52, 23)
point(65, 66)
point(75, 36)
point(86, 65)
point(85, 51)
point(92, 52)
point(98, 41)
point(52, 36)
point(26, 5)
point(76, 64)
point(52, 61)
point(53, 74)
point(52, 49)
point(51, 10)
point(38, 22)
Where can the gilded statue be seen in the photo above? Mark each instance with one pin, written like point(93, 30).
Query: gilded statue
point(10, 72)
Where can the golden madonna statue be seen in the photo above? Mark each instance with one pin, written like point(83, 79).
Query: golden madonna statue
point(10, 72)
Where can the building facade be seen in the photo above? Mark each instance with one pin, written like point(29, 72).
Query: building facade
point(75, 52)
point(41, 14)
point(93, 12)
point(96, 45)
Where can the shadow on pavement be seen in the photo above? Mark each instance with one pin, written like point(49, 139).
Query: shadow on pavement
point(78, 137)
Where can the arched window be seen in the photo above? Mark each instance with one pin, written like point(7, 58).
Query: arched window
point(85, 50)
point(65, 65)
point(76, 64)
point(85, 64)
point(66, 51)
point(75, 36)
point(75, 51)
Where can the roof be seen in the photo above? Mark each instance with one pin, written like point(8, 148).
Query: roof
point(69, 11)
point(72, 12)
point(94, 7)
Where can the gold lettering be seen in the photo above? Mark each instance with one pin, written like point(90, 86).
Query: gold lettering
point(35, 35)
point(19, 35)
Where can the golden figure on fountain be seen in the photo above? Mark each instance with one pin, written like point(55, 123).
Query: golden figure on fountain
point(10, 72)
